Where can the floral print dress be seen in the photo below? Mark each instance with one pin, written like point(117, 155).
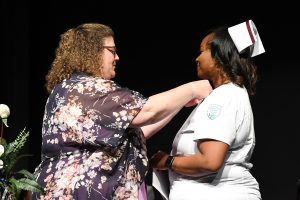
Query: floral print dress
point(88, 150)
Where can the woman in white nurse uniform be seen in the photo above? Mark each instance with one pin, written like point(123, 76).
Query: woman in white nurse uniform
point(210, 158)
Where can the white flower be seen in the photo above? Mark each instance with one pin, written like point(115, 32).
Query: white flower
point(1, 150)
point(4, 113)
point(1, 164)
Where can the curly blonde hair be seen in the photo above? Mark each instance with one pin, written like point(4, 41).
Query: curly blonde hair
point(79, 50)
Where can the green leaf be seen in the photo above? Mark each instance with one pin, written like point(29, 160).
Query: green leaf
point(11, 153)
point(27, 174)
point(27, 184)
point(14, 147)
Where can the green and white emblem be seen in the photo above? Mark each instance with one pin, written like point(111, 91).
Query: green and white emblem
point(213, 111)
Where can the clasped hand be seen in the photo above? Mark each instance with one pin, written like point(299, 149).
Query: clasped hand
point(158, 160)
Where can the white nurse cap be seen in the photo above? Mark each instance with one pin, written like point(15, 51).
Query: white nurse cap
point(244, 35)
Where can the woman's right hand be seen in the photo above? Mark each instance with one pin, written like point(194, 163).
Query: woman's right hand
point(158, 160)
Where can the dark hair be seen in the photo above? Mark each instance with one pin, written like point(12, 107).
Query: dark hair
point(238, 66)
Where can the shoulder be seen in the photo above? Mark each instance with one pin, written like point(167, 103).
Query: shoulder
point(229, 91)
point(228, 94)
point(82, 83)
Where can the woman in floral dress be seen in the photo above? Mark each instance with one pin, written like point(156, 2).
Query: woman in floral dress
point(94, 130)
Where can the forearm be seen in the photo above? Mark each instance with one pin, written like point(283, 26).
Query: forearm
point(193, 165)
point(209, 159)
point(152, 129)
point(162, 105)
point(190, 165)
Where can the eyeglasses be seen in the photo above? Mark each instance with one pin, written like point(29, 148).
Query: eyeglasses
point(111, 49)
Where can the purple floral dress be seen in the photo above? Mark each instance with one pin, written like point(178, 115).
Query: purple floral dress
point(88, 151)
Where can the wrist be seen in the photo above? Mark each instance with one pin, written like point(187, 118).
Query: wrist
point(169, 161)
point(193, 87)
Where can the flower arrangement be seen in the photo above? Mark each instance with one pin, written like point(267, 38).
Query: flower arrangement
point(13, 183)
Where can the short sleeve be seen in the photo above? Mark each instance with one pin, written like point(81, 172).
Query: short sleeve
point(114, 106)
point(96, 110)
point(216, 118)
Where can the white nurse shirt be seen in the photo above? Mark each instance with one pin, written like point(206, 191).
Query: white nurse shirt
point(225, 115)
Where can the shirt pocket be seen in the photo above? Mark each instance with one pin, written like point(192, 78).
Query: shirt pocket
point(187, 131)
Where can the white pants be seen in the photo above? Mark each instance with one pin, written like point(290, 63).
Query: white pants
point(235, 183)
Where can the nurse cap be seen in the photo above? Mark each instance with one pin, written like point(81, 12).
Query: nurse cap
point(244, 35)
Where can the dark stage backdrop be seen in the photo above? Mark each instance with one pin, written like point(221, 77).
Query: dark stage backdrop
point(157, 45)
